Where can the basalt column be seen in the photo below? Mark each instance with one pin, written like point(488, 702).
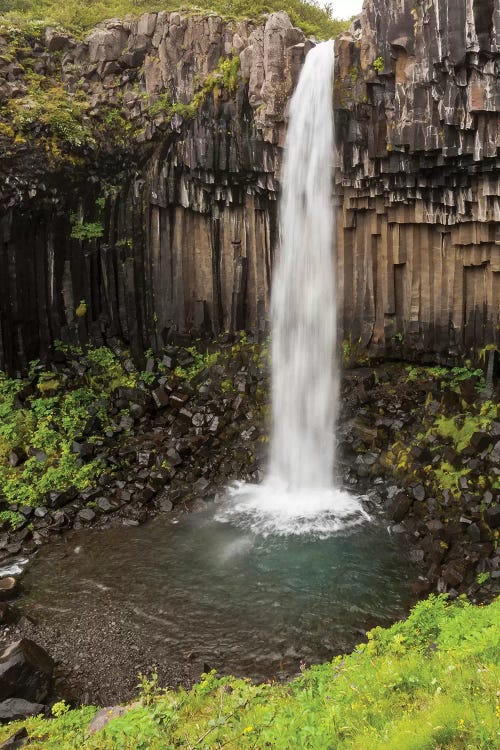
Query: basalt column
point(157, 212)
point(418, 102)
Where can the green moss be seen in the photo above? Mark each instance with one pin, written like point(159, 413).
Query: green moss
point(449, 378)
point(52, 107)
point(225, 76)
point(447, 477)
point(460, 429)
point(428, 682)
point(49, 421)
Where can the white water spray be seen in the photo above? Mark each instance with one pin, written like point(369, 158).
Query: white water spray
point(299, 495)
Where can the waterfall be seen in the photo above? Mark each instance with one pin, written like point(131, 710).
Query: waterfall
point(304, 373)
point(299, 495)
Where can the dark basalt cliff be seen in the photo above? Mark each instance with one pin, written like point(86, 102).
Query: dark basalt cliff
point(159, 214)
point(419, 181)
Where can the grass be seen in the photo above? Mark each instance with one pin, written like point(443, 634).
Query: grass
point(428, 683)
point(78, 16)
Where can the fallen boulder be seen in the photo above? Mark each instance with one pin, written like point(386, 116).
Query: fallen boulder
point(14, 709)
point(16, 740)
point(25, 672)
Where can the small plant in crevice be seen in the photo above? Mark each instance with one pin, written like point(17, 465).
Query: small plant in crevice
point(90, 230)
point(354, 353)
point(223, 77)
point(149, 687)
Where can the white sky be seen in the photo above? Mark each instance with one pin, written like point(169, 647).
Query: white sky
point(346, 8)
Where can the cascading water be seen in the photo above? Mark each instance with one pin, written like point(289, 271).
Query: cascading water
point(299, 495)
point(303, 298)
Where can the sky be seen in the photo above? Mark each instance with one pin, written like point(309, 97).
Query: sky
point(346, 8)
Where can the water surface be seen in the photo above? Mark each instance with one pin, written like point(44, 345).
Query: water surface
point(246, 604)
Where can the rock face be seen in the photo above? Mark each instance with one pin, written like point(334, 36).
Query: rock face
point(418, 100)
point(185, 228)
point(25, 673)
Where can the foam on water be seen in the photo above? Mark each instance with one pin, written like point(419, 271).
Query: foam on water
point(272, 508)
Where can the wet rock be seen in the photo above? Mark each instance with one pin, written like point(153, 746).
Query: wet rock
point(201, 485)
point(214, 426)
point(9, 587)
point(8, 614)
point(400, 507)
point(164, 504)
point(398, 529)
point(137, 411)
point(198, 506)
point(173, 457)
point(492, 516)
point(418, 493)
point(421, 586)
point(58, 500)
point(83, 450)
point(494, 456)
point(178, 398)
point(14, 709)
point(146, 458)
point(416, 555)
point(488, 497)
point(86, 515)
point(160, 397)
point(17, 456)
point(453, 574)
point(16, 740)
point(145, 494)
point(40, 456)
point(435, 526)
point(480, 441)
point(25, 671)
point(474, 532)
point(364, 431)
point(104, 716)
point(362, 466)
point(104, 504)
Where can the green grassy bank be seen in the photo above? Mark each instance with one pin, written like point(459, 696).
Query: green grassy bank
point(80, 15)
point(428, 683)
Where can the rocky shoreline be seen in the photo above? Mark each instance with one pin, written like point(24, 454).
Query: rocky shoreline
point(199, 424)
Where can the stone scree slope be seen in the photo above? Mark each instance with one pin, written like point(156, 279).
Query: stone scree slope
point(189, 223)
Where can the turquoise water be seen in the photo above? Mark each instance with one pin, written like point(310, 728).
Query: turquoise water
point(245, 604)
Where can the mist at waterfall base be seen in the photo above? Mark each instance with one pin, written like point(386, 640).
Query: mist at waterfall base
point(299, 495)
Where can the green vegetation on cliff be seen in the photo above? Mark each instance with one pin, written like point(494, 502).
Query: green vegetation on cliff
point(426, 683)
point(45, 418)
point(78, 16)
